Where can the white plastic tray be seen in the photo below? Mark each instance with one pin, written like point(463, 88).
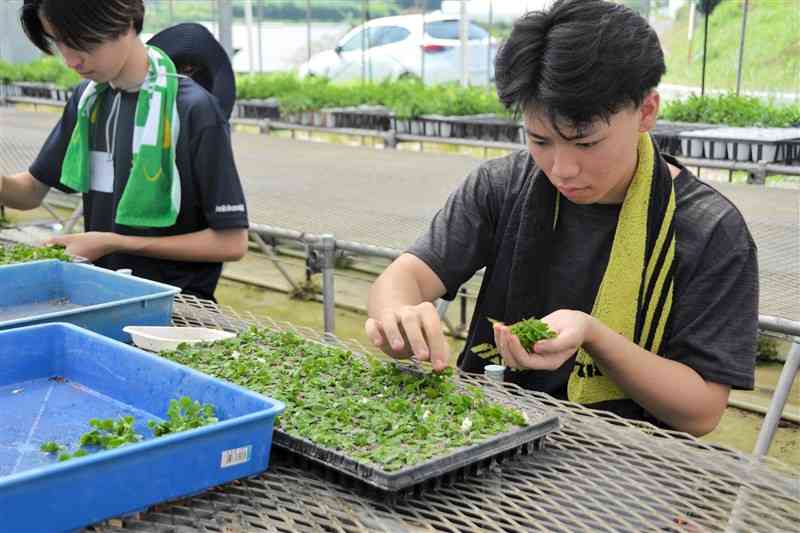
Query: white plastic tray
point(157, 338)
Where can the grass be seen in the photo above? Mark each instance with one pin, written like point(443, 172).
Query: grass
point(771, 54)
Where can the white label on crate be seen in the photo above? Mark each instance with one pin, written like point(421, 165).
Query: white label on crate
point(235, 456)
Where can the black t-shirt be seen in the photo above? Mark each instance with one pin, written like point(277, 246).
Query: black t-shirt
point(211, 193)
point(714, 319)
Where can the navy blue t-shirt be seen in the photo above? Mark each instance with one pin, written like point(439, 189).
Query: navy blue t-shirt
point(211, 192)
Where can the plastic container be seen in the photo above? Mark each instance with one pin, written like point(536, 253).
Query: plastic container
point(54, 378)
point(495, 372)
point(157, 338)
point(91, 297)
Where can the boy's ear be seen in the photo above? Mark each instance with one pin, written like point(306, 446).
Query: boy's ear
point(648, 111)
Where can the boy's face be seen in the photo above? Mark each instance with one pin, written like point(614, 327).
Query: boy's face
point(101, 63)
point(596, 164)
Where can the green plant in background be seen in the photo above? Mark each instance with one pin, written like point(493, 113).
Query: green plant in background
point(771, 58)
point(767, 349)
point(306, 290)
point(22, 253)
point(731, 110)
point(370, 410)
point(407, 98)
point(410, 98)
point(528, 331)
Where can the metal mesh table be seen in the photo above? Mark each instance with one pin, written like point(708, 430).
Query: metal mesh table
point(598, 473)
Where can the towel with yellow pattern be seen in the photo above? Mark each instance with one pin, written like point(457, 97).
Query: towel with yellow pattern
point(635, 294)
point(152, 195)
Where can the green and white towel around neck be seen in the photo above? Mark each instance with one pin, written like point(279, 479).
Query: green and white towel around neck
point(152, 196)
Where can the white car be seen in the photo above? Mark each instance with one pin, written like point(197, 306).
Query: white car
point(395, 47)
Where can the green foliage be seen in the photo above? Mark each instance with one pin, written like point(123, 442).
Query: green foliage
point(107, 434)
point(408, 98)
point(771, 54)
point(369, 410)
point(48, 69)
point(50, 447)
point(528, 331)
point(767, 349)
point(306, 290)
point(731, 110)
point(182, 415)
point(22, 253)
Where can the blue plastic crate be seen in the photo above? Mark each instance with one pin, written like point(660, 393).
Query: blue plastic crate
point(88, 296)
point(103, 378)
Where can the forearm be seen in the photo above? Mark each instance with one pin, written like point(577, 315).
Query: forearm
point(671, 391)
point(21, 191)
point(392, 290)
point(207, 245)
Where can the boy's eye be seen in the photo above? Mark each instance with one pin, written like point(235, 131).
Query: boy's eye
point(586, 145)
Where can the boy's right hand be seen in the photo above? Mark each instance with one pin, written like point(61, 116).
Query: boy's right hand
point(411, 330)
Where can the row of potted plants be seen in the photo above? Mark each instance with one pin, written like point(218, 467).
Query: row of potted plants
point(449, 111)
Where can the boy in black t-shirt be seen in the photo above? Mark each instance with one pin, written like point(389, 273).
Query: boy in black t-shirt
point(648, 276)
point(149, 149)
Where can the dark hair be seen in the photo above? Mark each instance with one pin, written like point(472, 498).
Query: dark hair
point(80, 24)
point(578, 61)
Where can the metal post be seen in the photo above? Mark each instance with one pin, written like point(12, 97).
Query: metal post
point(328, 293)
point(422, 48)
point(691, 32)
point(259, 20)
point(308, 29)
point(267, 250)
point(171, 12)
point(489, 45)
point(741, 49)
point(225, 21)
point(705, 53)
point(770, 424)
point(463, 30)
point(463, 292)
point(365, 8)
point(248, 18)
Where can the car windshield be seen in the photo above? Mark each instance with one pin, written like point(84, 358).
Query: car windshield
point(448, 29)
point(377, 36)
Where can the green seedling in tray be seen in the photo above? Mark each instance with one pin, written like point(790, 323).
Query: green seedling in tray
point(22, 253)
point(369, 410)
point(108, 434)
point(182, 415)
point(50, 447)
point(528, 331)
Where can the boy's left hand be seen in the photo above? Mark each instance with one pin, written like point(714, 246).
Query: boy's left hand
point(91, 245)
point(572, 329)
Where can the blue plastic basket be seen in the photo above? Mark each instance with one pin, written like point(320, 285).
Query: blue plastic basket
point(88, 296)
point(103, 378)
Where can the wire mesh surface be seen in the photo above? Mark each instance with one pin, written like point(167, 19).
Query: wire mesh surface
point(599, 473)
